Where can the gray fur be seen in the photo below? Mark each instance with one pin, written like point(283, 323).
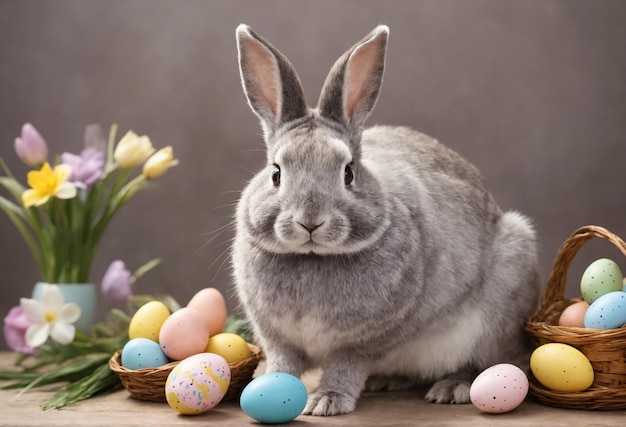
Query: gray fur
point(411, 274)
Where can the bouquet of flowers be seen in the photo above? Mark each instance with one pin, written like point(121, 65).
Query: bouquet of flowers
point(67, 208)
point(62, 217)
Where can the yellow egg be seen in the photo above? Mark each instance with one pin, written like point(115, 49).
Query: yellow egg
point(211, 304)
point(231, 347)
point(147, 321)
point(561, 367)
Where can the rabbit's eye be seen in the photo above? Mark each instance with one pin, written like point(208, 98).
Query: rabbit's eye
point(276, 175)
point(348, 175)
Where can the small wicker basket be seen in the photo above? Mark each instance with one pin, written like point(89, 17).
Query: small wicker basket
point(149, 384)
point(605, 349)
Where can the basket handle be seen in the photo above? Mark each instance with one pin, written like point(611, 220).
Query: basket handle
point(555, 289)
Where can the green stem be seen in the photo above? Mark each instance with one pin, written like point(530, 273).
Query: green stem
point(17, 218)
point(145, 268)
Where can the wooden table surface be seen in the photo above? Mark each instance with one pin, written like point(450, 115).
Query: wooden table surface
point(406, 408)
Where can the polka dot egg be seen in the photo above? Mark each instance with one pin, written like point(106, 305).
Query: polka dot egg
point(197, 383)
point(500, 388)
point(561, 367)
point(274, 398)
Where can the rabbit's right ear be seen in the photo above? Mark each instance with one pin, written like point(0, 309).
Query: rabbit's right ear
point(269, 81)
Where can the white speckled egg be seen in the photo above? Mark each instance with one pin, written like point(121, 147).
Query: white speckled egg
point(500, 388)
point(197, 383)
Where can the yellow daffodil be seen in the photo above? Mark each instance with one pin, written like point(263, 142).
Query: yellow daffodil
point(132, 150)
point(47, 183)
point(159, 163)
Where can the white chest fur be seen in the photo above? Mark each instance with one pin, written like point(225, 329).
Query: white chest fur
point(437, 351)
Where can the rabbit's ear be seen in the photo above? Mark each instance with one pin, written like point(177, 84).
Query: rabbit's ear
point(270, 82)
point(353, 84)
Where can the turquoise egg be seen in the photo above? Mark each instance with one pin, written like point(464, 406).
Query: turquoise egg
point(601, 277)
point(274, 398)
point(607, 312)
point(140, 353)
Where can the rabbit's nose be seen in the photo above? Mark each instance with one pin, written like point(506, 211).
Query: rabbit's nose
point(310, 227)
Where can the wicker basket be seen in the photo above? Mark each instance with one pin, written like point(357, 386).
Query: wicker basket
point(149, 384)
point(606, 349)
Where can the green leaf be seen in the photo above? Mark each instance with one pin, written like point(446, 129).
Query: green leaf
point(240, 326)
point(71, 371)
point(102, 379)
point(145, 268)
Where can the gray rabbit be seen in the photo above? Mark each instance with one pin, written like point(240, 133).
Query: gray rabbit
point(375, 254)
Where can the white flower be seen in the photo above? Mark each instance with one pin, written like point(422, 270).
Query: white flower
point(51, 317)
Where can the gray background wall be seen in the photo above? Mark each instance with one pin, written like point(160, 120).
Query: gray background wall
point(532, 92)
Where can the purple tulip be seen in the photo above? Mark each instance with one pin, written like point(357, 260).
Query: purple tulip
point(94, 138)
point(31, 148)
point(117, 281)
point(15, 325)
point(87, 169)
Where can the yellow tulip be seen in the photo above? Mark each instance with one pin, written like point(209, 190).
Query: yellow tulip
point(160, 162)
point(47, 183)
point(132, 150)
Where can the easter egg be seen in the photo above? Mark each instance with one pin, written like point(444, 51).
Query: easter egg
point(274, 398)
point(601, 277)
point(231, 347)
point(184, 333)
point(147, 321)
point(574, 315)
point(140, 353)
point(211, 304)
point(607, 312)
point(561, 367)
point(197, 383)
point(500, 388)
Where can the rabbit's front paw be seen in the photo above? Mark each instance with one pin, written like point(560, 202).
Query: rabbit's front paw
point(326, 403)
point(449, 391)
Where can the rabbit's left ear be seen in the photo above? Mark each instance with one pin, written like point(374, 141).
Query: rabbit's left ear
point(353, 84)
point(270, 82)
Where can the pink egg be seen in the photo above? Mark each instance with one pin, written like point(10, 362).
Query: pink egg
point(211, 304)
point(574, 315)
point(184, 333)
point(500, 388)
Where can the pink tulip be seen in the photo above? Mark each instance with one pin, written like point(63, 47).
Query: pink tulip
point(31, 148)
point(15, 325)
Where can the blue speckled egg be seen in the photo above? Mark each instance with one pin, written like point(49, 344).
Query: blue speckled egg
point(140, 353)
point(274, 398)
point(607, 312)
